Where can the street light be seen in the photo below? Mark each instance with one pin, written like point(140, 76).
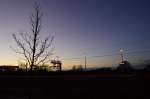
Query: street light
point(122, 57)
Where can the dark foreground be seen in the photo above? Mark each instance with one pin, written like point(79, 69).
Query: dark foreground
point(88, 86)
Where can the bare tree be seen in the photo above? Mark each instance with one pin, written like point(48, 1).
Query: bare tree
point(34, 50)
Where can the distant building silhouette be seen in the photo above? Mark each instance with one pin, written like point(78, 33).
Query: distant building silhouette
point(9, 68)
point(57, 65)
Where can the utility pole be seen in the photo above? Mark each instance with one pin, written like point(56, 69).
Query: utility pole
point(85, 59)
point(85, 62)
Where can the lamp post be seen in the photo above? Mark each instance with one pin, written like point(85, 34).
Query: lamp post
point(122, 57)
point(85, 61)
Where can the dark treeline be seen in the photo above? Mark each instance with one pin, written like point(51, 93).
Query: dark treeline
point(103, 70)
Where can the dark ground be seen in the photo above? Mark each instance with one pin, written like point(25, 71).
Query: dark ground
point(75, 86)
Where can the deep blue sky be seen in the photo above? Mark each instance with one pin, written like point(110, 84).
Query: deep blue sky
point(95, 27)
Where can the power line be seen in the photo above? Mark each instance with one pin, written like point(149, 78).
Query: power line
point(84, 59)
point(133, 52)
point(137, 52)
point(90, 56)
point(71, 58)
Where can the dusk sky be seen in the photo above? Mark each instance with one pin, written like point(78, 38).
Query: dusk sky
point(94, 27)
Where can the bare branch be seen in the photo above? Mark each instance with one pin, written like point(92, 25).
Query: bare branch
point(43, 59)
point(26, 39)
point(21, 45)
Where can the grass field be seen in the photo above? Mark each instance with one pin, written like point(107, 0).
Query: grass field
point(74, 85)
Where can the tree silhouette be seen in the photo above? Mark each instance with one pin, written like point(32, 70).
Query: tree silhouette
point(34, 50)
